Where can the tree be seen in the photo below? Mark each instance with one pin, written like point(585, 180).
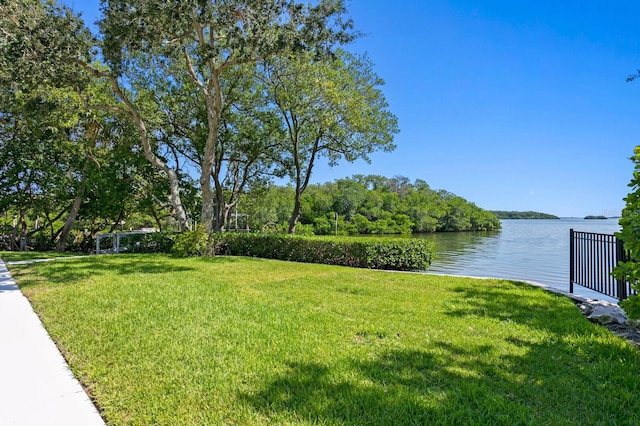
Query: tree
point(199, 41)
point(241, 155)
point(374, 205)
point(268, 207)
point(61, 159)
point(40, 139)
point(331, 107)
point(630, 223)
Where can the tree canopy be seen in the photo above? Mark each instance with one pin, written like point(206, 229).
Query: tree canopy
point(630, 223)
point(191, 46)
point(367, 205)
point(330, 108)
point(179, 112)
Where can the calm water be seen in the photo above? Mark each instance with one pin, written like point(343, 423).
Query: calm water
point(536, 250)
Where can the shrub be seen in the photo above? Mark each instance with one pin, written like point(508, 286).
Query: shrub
point(304, 229)
point(156, 242)
point(404, 254)
point(322, 226)
point(630, 223)
point(192, 243)
point(42, 242)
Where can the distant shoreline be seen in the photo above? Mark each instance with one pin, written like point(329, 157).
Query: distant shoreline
point(501, 214)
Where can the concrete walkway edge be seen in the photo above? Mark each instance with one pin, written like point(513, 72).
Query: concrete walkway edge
point(36, 384)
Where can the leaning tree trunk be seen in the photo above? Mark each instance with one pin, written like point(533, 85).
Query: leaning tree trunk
point(61, 241)
point(174, 182)
point(295, 214)
point(301, 184)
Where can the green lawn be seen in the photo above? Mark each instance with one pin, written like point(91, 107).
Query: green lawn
point(21, 256)
point(159, 340)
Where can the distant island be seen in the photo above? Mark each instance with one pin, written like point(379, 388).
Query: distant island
point(522, 215)
point(596, 217)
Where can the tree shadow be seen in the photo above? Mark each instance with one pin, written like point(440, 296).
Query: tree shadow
point(569, 372)
point(70, 271)
point(546, 311)
point(7, 284)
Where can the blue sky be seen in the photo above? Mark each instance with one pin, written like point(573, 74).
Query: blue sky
point(513, 105)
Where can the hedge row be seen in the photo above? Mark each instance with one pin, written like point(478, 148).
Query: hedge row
point(401, 254)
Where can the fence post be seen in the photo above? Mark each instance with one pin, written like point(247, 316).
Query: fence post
point(620, 257)
point(571, 260)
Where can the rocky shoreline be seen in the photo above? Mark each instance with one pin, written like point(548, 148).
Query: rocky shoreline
point(611, 316)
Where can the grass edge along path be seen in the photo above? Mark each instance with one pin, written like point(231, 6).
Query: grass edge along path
point(159, 340)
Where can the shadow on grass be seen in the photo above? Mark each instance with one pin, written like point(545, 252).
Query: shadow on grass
point(585, 378)
point(74, 270)
point(80, 268)
point(20, 256)
point(544, 311)
point(397, 387)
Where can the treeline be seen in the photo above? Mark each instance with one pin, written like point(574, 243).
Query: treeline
point(364, 205)
point(522, 215)
point(168, 121)
point(155, 125)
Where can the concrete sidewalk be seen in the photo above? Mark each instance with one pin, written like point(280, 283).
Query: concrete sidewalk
point(36, 385)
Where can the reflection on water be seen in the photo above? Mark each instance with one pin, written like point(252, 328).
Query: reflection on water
point(536, 250)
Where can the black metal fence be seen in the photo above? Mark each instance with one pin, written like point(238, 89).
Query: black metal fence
point(593, 257)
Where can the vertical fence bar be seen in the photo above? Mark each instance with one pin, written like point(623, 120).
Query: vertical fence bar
point(620, 257)
point(599, 243)
point(610, 253)
point(572, 273)
point(583, 254)
point(592, 258)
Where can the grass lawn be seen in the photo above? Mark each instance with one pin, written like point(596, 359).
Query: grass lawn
point(20, 256)
point(159, 340)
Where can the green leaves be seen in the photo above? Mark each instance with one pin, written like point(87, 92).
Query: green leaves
point(630, 234)
point(403, 254)
point(329, 108)
point(40, 44)
point(332, 108)
point(223, 33)
point(372, 205)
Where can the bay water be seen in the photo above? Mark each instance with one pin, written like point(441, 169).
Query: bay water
point(534, 250)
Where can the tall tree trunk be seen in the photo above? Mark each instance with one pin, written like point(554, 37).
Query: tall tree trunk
point(174, 182)
point(220, 203)
point(212, 95)
point(23, 230)
point(296, 213)
point(213, 103)
point(301, 184)
point(61, 241)
point(207, 217)
point(14, 234)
